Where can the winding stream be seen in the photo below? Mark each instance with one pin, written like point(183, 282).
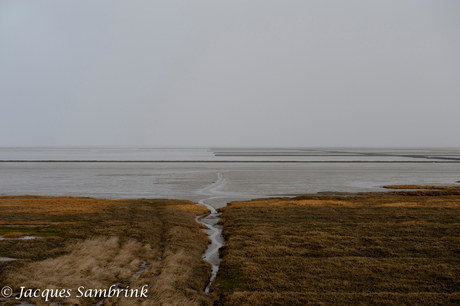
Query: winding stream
point(214, 231)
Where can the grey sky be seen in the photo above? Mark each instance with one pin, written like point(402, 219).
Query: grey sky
point(234, 73)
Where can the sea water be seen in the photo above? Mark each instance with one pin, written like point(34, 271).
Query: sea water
point(248, 173)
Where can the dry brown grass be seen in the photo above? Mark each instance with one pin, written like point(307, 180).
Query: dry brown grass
point(167, 202)
point(93, 263)
point(427, 190)
point(289, 202)
point(379, 250)
point(418, 187)
point(307, 298)
point(14, 235)
point(53, 205)
point(24, 223)
point(181, 277)
point(193, 208)
point(104, 242)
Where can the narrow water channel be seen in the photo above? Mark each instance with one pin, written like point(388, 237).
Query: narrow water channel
point(214, 231)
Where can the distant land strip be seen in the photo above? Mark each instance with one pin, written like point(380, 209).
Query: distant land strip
point(233, 161)
point(343, 155)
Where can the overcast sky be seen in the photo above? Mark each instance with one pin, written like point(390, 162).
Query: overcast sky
point(230, 73)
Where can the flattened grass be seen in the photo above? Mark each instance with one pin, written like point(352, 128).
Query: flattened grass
point(379, 250)
point(96, 243)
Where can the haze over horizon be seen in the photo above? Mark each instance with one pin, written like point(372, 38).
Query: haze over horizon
point(244, 74)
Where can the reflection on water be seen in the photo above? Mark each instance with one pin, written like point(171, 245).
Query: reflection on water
point(242, 179)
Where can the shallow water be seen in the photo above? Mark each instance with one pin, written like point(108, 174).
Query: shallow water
point(214, 231)
point(22, 238)
point(249, 172)
point(7, 259)
point(185, 180)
